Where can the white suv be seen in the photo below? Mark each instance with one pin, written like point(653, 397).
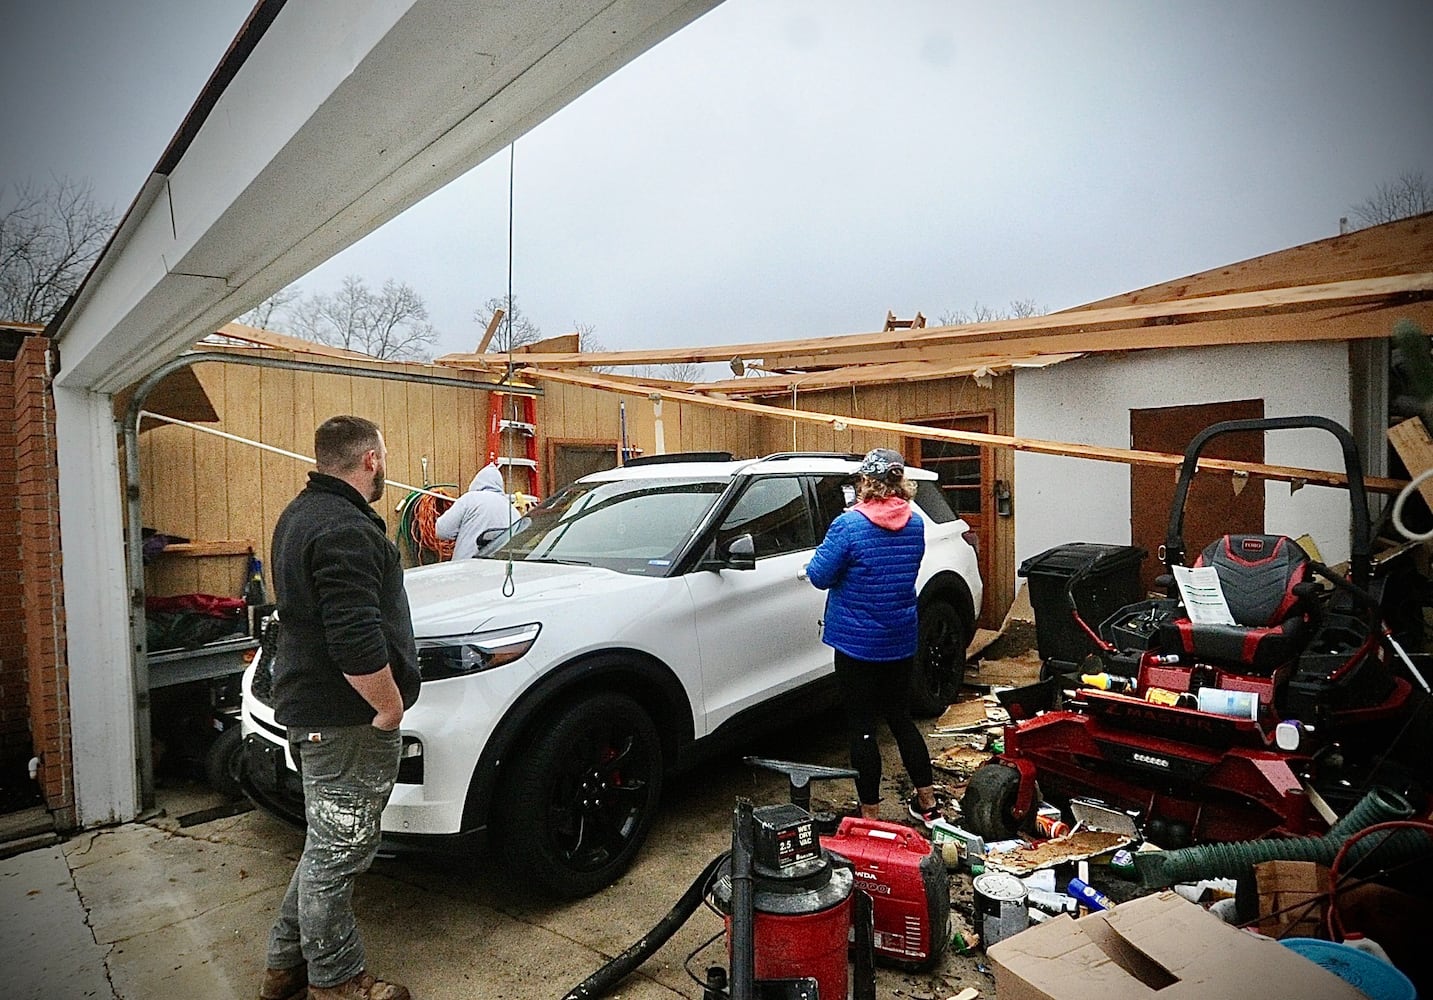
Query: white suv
point(637, 619)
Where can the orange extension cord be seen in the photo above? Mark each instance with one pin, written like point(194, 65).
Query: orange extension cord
point(423, 526)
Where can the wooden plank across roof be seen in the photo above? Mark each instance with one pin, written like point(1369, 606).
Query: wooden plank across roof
point(283, 342)
point(840, 350)
point(1128, 456)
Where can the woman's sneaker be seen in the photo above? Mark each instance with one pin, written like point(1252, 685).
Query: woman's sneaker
point(927, 817)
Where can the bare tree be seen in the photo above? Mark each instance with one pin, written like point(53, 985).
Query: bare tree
point(979, 313)
point(588, 343)
point(515, 330)
point(392, 323)
point(1408, 196)
point(49, 238)
point(680, 371)
point(262, 315)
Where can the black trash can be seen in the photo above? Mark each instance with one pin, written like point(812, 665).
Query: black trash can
point(1108, 580)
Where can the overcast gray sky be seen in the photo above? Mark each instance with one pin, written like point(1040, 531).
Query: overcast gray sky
point(788, 168)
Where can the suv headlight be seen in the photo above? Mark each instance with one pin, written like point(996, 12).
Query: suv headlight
point(456, 656)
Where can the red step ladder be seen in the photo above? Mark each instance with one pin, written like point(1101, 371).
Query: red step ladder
point(512, 415)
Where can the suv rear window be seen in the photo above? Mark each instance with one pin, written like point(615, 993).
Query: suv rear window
point(932, 501)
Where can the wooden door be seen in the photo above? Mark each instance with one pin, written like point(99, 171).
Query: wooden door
point(966, 479)
point(569, 461)
point(1212, 508)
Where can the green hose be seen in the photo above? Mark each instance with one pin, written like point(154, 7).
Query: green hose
point(1189, 864)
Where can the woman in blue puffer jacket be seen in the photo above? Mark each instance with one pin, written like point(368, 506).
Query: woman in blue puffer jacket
point(868, 564)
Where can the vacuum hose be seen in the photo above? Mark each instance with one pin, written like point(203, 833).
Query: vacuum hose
point(1163, 868)
point(604, 979)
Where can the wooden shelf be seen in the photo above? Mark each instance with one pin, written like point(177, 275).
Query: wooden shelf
point(218, 547)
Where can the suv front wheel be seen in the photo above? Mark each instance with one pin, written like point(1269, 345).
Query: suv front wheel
point(581, 796)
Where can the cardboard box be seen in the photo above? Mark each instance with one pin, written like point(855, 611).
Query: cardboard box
point(1291, 897)
point(1158, 946)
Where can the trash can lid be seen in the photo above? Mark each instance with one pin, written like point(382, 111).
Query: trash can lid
point(1064, 560)
point(1371, 976)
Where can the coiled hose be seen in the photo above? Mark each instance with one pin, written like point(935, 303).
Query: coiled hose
point(601, 982)
point(1380, 805)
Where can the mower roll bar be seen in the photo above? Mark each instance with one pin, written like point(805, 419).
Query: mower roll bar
point(1360, 563)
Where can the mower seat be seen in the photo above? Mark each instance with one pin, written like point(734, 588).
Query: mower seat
point(1258, 574)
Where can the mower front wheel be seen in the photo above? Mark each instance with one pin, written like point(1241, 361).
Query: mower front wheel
point(989, 802)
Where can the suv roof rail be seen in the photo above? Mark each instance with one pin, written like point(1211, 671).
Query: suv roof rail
point(845, 455)
point(679, 456)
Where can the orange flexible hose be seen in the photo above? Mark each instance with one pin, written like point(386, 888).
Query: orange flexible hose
point(424, 526)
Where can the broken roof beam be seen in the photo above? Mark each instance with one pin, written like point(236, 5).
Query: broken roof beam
point(1339, 323)
point(1387, 291)
point(1128, 456)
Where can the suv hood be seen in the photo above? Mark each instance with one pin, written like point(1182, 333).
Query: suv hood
point(456, 598)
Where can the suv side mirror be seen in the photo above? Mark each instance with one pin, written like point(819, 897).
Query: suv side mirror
point(740, 554)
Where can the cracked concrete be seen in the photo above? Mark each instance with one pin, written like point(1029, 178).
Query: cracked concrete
point(152, 909)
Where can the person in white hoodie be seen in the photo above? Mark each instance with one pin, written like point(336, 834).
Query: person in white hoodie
point(483, 507)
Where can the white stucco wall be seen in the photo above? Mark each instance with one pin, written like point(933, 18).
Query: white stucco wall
point(1088, 401)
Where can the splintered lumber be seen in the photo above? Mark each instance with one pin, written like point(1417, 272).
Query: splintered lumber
point(1393, 290)
point(283, 342)
point(491, 330)
point(1128, 456)
point(1413, 444)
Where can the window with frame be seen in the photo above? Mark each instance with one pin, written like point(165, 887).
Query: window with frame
point(773, 511)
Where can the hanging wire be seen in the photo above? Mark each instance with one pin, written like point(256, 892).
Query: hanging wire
point(509, 586)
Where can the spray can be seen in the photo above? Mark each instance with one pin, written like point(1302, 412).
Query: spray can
point(1089, 896)
point(1051, 826)
point(1053, 903)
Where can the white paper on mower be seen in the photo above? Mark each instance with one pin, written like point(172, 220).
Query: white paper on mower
point(1203, 597)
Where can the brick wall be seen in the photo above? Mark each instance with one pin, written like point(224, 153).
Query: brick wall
point(42, 596)
point(14, 683)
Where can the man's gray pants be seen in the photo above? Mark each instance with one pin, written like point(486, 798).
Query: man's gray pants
point(348, 774)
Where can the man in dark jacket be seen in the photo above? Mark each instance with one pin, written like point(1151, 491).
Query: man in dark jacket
point(345, 671)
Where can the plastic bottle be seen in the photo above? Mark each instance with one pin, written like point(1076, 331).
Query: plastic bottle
point(1367, 945)
point(1108, 682)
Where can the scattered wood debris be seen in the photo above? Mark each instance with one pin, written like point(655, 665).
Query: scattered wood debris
point(960, 761)
point(1077, 846)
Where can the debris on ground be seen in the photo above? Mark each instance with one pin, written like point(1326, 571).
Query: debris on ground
point(1078, 846)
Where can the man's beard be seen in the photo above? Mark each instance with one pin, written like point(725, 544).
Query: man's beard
point(375, 492)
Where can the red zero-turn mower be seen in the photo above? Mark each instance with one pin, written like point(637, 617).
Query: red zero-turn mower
point(1230, 731)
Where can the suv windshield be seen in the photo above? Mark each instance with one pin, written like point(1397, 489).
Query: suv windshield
point(633, 526)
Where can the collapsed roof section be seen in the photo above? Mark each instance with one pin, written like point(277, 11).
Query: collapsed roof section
point(1349, 287)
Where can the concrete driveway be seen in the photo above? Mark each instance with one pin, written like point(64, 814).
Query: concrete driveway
point(158, 909)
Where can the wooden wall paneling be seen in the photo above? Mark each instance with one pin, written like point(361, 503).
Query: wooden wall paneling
point(403, 448)
point(422, 439)
point(244, 464)
point(472, 409)
point(445, 454)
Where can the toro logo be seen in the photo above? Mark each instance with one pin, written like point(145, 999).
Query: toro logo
point(1252, 546)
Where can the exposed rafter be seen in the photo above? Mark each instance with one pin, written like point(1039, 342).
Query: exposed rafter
point(1123, 327)
point(1127, 456)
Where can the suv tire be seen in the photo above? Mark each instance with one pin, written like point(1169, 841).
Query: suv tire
point(581, 795)
point(940, 658)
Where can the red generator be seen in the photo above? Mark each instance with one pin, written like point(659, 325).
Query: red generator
point(908, 884)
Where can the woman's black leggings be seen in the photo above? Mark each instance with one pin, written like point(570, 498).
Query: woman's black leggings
point(880, 689)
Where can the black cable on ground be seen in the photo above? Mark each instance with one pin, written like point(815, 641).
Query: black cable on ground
point(604, 979)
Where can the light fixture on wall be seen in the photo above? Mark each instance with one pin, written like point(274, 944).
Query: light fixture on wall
point(1004, 504)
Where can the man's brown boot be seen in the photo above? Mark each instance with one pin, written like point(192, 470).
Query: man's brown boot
point(360, 987)
point(285, 984)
